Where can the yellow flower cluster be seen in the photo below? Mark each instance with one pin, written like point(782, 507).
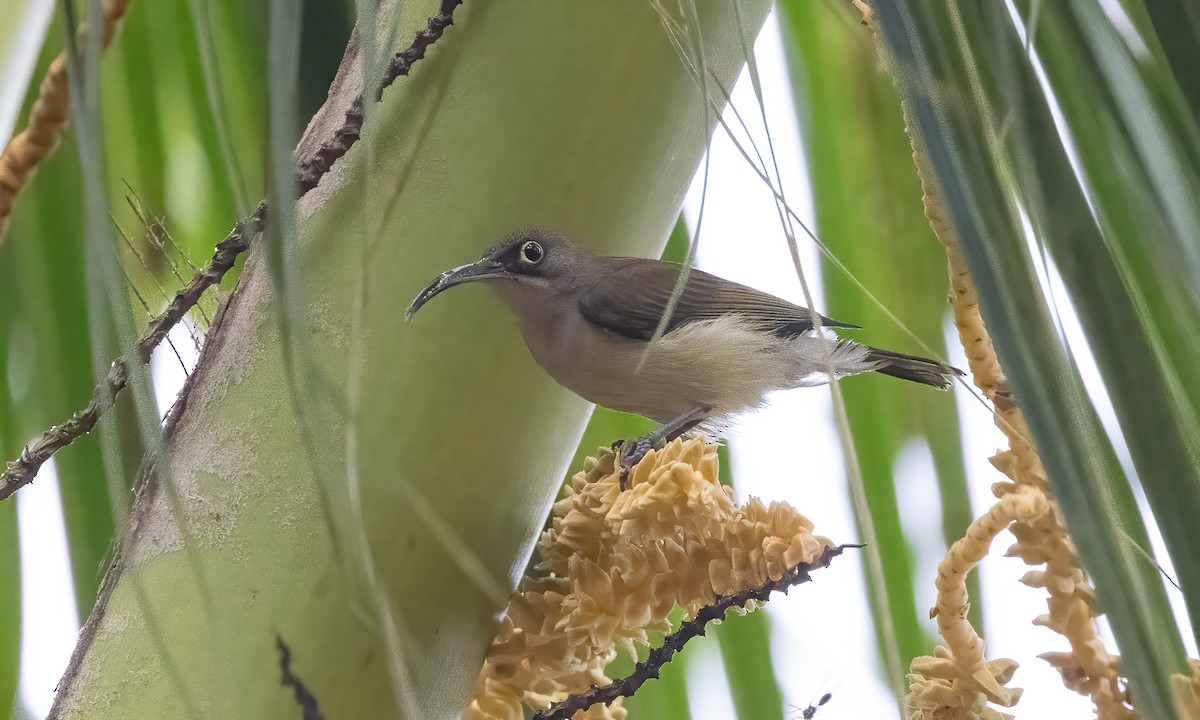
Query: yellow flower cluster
point(938, 689)
point(613, 565)
point(957, 682)
point(1042, 537)
point(1088, 668)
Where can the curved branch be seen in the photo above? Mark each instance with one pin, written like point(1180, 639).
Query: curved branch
point(20, 472)
point(659, 656)
point(313, 169)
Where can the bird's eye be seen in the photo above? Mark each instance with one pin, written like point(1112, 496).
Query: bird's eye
point(532, 253)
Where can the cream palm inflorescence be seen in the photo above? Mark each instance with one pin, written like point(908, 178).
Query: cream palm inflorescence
point(956, 682)
point(1027, 507)
point(613, 565)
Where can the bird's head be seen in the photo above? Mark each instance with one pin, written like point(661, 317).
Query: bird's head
point(528, 262)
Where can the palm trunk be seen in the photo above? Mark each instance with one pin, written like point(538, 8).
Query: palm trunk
point(371, 494)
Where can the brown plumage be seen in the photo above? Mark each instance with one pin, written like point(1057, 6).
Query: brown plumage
point(632, 295)
point(588, 321)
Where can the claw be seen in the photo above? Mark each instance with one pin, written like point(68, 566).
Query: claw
point(630, 453)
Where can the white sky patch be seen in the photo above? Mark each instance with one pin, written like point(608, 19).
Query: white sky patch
point(165, 369)
point(920, 520)
point(49, 624)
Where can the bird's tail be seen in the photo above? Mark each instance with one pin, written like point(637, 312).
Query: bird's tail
point(914, 368)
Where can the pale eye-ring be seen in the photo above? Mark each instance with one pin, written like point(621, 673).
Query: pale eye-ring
point(531, 253)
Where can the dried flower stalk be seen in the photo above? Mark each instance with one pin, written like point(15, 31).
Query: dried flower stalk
point(1042, 538)
point(47, 121)
point(1087, 668)
point(957, 682)
point(614, 564)
point(651, 667)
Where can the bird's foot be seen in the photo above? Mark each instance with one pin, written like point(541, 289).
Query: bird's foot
point(630, 452)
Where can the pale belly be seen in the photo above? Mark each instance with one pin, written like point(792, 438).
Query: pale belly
point(721, 364)
point(603, 368)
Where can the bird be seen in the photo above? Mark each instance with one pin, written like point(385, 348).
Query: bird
point(592, 322)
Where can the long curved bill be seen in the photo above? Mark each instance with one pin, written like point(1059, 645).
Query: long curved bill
point(479, 270)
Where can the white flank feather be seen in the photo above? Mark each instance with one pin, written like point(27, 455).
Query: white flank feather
point(725, 363)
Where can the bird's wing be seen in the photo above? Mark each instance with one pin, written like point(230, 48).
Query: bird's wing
point(632, 296)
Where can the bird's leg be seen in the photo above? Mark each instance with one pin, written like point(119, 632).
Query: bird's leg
point(631, 452)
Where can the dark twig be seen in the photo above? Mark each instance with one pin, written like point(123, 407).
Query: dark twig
point(659, 656)
point(311, 171)
point(222, 260)
point(20, 472)
point(305, 699)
